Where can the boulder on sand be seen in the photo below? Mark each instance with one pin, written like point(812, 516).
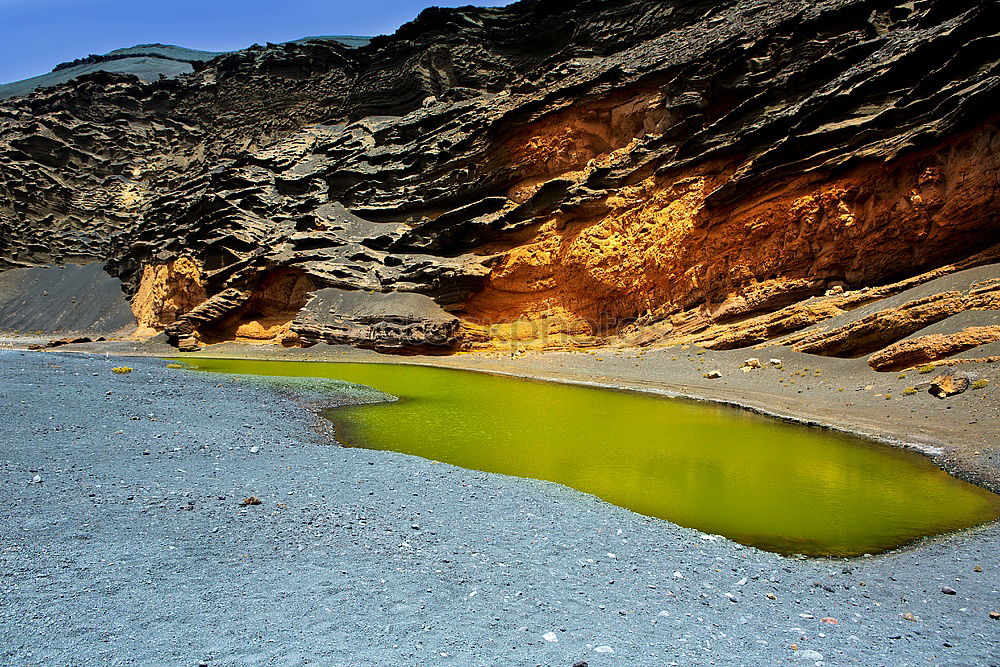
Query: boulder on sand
point(948, 384)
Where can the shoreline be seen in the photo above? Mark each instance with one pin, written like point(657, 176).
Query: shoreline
point(312, 400)
point(973, 459)
point(314, 405)
point(937, 454)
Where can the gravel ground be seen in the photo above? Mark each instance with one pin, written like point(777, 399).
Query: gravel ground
point(122, 541)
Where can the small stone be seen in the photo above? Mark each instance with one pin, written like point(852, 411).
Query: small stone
point(188, 344)
point(550, 637)
point(712, 375)
point(829, 620)
point(581, 663)
point(910, 617)
point(809, 654)
point(254, 450)
point(290, 339)
point(37, 479)
point(948, 590)
point(774, 362)
point(772, 596)
point(977, 569)
point(604, 649)
point(995, 615)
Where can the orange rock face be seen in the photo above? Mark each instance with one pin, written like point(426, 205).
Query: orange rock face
point(654, 248)
point(881, 328)
point(166, 292)
point(916, 351)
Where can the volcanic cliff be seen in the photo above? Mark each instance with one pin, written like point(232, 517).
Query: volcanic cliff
point(553, 173)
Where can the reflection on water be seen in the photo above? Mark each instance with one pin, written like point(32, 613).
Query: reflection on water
point(777, 486)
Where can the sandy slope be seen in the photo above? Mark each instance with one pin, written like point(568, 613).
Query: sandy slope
point(70, 298)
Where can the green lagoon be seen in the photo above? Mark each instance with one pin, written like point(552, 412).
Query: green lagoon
point(763, 482)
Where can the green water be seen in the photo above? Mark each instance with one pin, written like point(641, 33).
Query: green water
point(778, 486)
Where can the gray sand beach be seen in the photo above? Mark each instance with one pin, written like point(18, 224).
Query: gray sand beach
point(124, 542)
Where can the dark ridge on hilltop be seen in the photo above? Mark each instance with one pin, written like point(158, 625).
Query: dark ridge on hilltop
point(148, 62)
point(164, 51)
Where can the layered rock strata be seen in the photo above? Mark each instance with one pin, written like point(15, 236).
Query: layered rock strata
point(546, 174)
point(920, 350)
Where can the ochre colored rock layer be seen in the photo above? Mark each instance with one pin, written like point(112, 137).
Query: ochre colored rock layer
point(883, 327)
point(781, 325)
point(167, 291)
point(920, 350)
point(656, 248)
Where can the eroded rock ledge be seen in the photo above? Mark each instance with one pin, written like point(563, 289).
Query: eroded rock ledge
point(547, 174)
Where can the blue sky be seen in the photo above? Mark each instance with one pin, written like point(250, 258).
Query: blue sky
point(36, 35)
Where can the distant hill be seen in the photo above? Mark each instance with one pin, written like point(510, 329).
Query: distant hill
point(352, 41)
point(146, 61)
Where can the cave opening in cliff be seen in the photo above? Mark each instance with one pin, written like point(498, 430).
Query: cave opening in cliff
point(268, 312)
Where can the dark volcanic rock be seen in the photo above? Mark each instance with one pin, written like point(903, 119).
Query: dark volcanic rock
point(386, 322)
point(588, 163)
point(213, 310)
